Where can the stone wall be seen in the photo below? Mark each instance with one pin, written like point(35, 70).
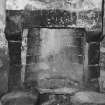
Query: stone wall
point(67, 5)
point(4, 58)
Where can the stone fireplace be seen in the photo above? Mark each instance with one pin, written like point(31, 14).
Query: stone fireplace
point(54, 48)
point(59, 48)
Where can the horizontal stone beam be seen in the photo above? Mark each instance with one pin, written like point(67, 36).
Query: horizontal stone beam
point(53, 19)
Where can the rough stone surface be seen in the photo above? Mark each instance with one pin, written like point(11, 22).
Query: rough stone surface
point(88, 98)
point(50, 18)
point(52, 62)
point(54, 99)
point(55, 57)
point(4, 58)
point(42, 4)
point(19, 98)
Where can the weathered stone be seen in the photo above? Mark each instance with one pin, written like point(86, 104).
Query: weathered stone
point(14, 73)
point(55, 72)
point(53, 18)
point(57, 18)
point(51, 4)
point(88, 98)
point(19, 98)
point(4, 71)
point(54, 99)
point(4, 58)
